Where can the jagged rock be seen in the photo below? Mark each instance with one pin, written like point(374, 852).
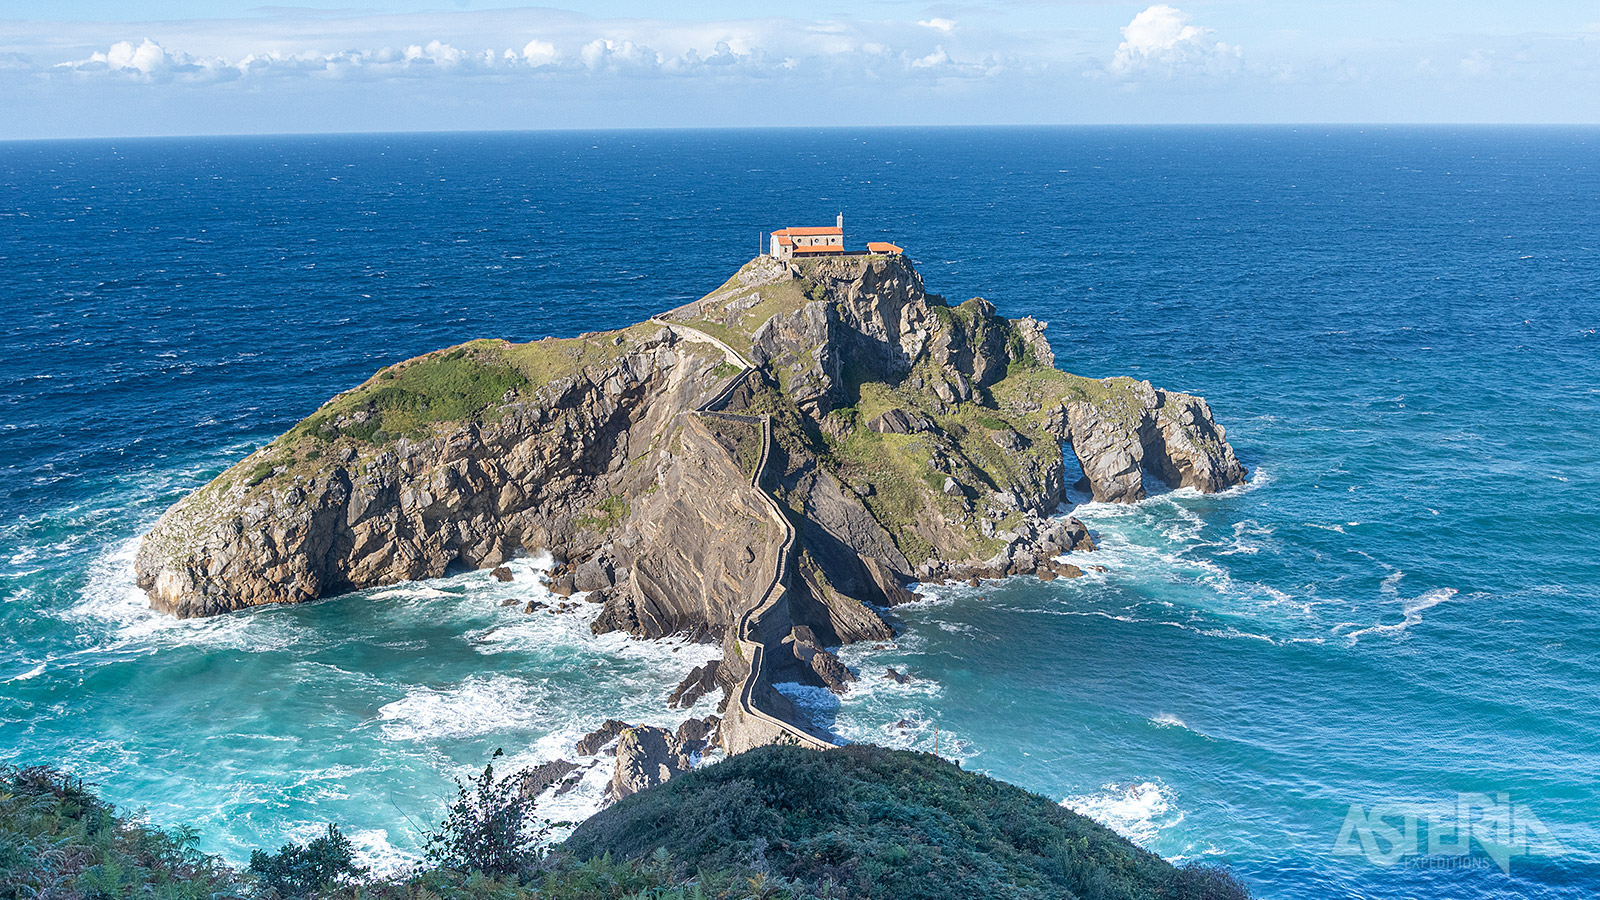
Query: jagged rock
point(646, 756)
point(592, 574)
point(896, 677)
point(1008, 439)
point(835, 676)
point(502, 573)
point(536, 779)
point(888, 585)
point(728, 679)
point(562, 585)
point(533, 606)
point(695, 735)
point(567, 465)
point(597, 739)
point(699, 682)
point(898, 421)
point(1171, 435)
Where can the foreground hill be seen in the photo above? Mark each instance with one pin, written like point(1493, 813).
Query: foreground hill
point(888, 825)
point(777, 823)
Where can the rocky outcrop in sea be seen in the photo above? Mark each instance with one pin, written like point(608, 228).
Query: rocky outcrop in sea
point(767, 468)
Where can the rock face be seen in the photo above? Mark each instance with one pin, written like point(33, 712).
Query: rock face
point(646, 756)
point(701, 681)
point(547, 470)
point(1170, 435)
point(833, 673)
point(844, 434)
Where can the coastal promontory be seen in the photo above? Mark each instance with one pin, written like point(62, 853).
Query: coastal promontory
point(766, 467)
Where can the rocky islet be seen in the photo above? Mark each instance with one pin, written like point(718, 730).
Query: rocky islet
point(767, 467)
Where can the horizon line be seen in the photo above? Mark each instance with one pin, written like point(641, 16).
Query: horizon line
point(621, 129)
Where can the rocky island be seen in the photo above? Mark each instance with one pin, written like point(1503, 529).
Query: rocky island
point(766, 467)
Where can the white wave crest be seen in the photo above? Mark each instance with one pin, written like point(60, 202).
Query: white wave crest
point(1411, 610)
point(1139, 811)
point(477, 706)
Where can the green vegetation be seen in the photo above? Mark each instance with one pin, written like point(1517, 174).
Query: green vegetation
point(259, 472)
point(742, 440)
point(57, 839)
point(868, 822)
point(1023, 386)
point(451, 385)
point(471, 382)
point(463, 383)
point(296, 871)
point(775, 823)
point(734, 311)
point(608, 514)
point(490, 828)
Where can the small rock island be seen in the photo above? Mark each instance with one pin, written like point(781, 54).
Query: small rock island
point(766, 467)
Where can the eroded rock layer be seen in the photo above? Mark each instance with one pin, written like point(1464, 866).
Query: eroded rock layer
point(827, 426)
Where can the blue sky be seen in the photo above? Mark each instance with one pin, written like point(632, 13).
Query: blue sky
point(72, 68)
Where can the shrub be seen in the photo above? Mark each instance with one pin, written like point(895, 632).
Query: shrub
point(296, 871)
point(490, 828)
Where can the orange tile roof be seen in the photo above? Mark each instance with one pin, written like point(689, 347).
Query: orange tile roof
point(820, 248)
point(884, 247)
point(807, 232)
point(783, 238)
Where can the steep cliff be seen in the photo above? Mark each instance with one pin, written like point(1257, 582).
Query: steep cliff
point(805, 439)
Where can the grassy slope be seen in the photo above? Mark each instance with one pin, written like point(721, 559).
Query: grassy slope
point(776, 822)
point(900, 468)
point(889, 824)
point(415, 398)
point(734, 311)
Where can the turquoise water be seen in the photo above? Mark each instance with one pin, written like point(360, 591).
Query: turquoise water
point(1397, 326)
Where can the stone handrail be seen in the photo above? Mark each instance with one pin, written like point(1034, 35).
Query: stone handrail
point(757, 649)
point(745, 701)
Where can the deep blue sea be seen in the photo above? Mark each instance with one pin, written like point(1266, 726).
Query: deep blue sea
point(1393, 630)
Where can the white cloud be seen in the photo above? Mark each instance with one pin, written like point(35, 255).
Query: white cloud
point(565, 48)
point(148, 60)
point(937, 58)
point(436, 52)
point(945, 25)
point(607, 55)
point(539, 53)
point(1478, 63)
point(1162, 41)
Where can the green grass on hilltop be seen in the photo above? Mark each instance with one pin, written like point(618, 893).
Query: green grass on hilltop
point(868, 822)
point(458, 384)
point(774, 823)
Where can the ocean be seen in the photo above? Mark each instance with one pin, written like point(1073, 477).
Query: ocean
point(1372, 672)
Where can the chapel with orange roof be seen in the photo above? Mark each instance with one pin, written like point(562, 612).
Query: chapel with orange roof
point(821, 240)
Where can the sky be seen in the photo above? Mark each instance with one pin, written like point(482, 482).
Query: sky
point(112, 68)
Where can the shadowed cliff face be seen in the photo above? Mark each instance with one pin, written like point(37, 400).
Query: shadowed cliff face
point(910, 439)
